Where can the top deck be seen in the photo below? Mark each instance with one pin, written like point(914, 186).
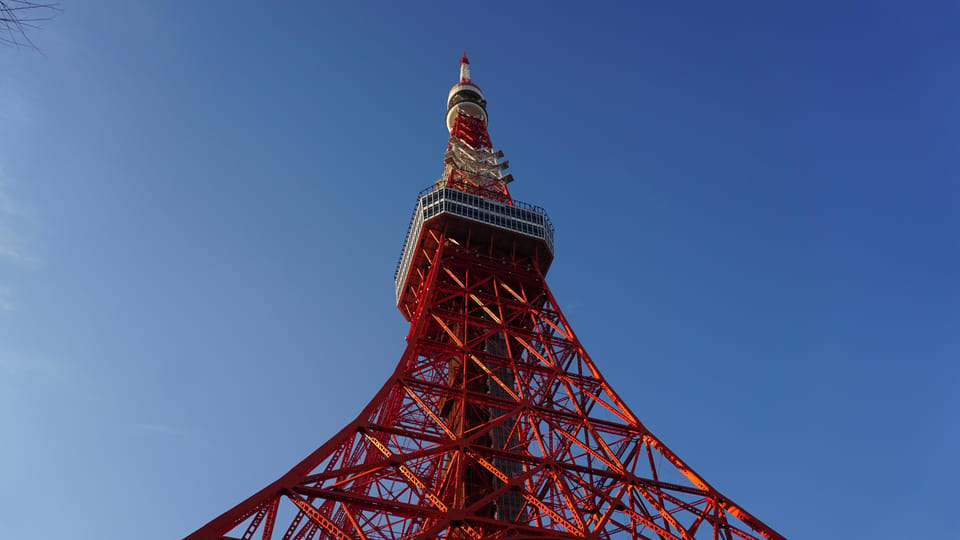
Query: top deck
point(520, 218)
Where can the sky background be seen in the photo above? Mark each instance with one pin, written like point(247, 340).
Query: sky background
point(202, 206)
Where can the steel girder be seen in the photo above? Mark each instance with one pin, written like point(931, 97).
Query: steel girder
point(495, 424)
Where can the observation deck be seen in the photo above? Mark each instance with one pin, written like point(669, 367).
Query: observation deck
point(530, 222)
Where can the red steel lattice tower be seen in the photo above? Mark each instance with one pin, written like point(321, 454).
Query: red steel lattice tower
point(496, 422)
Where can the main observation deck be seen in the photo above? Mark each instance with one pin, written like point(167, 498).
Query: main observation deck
point(520, 218)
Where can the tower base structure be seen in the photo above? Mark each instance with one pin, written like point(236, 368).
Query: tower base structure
point(495, 424)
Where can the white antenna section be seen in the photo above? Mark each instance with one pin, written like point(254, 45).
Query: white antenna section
point(482, 166)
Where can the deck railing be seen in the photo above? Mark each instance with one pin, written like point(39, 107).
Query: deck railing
point(519, 217)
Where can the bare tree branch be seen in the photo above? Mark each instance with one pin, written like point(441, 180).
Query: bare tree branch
point(17, 17)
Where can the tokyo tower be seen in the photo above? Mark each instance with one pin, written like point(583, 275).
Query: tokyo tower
point(496, 423)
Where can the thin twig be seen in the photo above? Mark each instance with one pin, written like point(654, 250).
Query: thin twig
point(19, 16)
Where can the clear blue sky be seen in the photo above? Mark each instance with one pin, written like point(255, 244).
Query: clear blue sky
point(201, 209)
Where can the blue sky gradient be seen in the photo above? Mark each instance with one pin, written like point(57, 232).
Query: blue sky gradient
point(201, 210)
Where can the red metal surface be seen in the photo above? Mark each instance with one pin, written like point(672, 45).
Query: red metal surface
point(495, 424)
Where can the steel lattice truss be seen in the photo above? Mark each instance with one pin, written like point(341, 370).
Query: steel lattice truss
point(471, 164)
point(495, 424)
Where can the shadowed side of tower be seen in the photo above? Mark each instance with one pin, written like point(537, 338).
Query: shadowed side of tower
point(496, 423)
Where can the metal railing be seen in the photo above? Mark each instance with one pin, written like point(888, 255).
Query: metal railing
point(519, 217)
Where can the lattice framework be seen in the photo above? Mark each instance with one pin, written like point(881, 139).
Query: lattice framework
point(496, 424)
point(422, 460)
